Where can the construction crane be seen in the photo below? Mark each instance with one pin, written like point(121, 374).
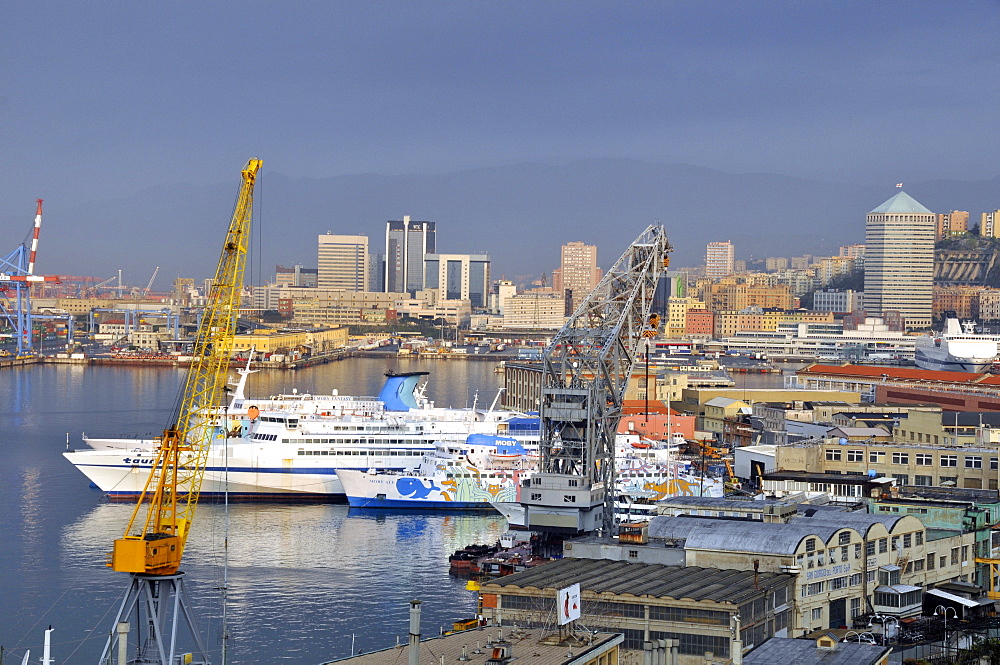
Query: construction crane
point(586, 369)
point(149, 285)
point(153, 543)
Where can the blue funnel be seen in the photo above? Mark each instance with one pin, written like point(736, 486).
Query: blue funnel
point(397, 393)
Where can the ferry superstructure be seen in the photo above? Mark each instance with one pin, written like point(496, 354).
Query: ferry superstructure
point(484, 474)
point(957, 349)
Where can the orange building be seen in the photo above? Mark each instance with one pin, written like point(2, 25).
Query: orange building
point(963, 300)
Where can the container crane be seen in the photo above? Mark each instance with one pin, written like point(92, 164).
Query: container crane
point(586, 369)
point(153, 543)
point(17, 274)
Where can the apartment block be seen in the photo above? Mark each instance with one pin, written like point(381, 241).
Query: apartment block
point(989, 224)
point(577, 274)
point(951, 223)
point(720, 259)
point(963, 300)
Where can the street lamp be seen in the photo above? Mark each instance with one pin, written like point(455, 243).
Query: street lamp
point(885, 619)
point(943, 612)
point(861, 637)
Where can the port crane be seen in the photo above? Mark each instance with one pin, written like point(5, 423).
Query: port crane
point(153, 543)
point(585, 370)
point(17, 275)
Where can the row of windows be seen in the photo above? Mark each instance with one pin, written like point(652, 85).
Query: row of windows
point(920, 459)
point(692, 644)
point(836, 583)
point(844, 538)
point(348, 440)
point(363, 453)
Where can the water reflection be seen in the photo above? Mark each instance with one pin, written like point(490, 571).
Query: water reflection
point(304, 578)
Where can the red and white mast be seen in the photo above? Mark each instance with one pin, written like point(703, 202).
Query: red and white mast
point(34, 239)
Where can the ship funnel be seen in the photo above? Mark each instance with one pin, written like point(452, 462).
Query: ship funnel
point(397, 393)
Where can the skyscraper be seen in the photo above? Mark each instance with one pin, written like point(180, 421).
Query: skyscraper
point(406, 245)
point(343, 262)
point(577, 274)
point(720, 259)
point(899, 260)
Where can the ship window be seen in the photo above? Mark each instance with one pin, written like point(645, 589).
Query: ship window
point(569, 498)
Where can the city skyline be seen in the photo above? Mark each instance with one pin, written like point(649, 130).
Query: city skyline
point(398, 103)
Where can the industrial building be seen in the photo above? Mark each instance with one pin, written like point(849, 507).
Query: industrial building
point(644, 602)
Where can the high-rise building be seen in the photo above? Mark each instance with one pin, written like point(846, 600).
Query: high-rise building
point(343, 262)
point(406, 245)
point(459, 277)
point(989, 224)
point(899, 261)
point(951, 223)
point(577, 274)
point(720, 259)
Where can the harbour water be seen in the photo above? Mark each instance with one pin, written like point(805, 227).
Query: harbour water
point(306, 582)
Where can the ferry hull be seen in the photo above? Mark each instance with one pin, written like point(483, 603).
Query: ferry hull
point(409, 504)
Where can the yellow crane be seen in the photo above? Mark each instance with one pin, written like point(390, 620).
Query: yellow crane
point(153, 543)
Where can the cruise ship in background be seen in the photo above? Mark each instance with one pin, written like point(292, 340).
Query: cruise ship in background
point(957, 349)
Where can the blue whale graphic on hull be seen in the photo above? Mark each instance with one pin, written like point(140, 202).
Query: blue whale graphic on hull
point(414, 488)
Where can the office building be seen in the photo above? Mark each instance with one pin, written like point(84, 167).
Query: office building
point(577, 274)
point(343, 262)
point(720, 259)
point(295, 276)
point(899, 260)
point(407, 243)
point(459, 277)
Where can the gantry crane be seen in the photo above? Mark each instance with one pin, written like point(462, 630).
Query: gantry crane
point(17, 274)
point(157, 531)
point(586, 369)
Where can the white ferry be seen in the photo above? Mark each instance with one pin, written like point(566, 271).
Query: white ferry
point(482, 475)
point(291, 448)
point(454, 476)
point(957, 349)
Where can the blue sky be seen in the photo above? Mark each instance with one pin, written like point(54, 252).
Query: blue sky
point(100, 100)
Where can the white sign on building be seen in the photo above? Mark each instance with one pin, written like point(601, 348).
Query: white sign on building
point(568, 601)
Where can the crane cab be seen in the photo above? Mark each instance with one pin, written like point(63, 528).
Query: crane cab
point(153, 553)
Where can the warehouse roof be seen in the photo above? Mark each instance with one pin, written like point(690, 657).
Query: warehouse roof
point(644, 579)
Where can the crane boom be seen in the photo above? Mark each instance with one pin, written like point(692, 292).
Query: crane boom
point(154, 544)
point(586, 369)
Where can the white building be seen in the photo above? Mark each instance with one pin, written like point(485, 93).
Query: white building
point(720, 259)
point(459, 277)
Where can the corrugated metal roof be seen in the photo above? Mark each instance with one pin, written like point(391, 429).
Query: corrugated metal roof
point(643, 579)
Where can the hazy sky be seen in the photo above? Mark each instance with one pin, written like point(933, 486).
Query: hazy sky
point(102, 99)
